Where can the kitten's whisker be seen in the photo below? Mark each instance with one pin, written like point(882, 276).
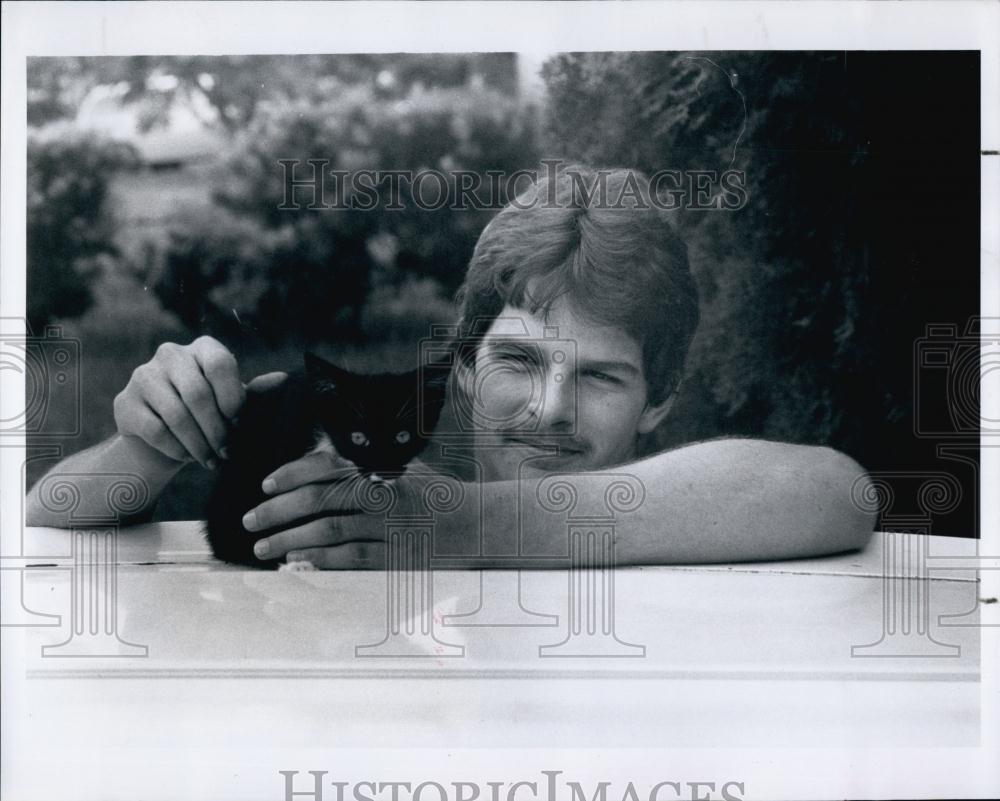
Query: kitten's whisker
point(407, 407)
point(408, 412)
point(338, 495)
point(355, 409)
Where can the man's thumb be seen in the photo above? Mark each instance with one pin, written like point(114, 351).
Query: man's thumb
point(265, 382)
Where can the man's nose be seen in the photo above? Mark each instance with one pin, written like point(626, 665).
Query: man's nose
point(558, 404)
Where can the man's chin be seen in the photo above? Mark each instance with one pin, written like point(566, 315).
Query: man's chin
point(546, 465)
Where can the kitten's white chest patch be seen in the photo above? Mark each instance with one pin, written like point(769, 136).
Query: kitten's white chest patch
point(323, 445)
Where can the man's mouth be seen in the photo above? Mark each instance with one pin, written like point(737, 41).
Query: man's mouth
point(565, 447)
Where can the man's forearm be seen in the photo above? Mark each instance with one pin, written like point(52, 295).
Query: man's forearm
point(746, 500)
point(720, 501)
point(91, 473)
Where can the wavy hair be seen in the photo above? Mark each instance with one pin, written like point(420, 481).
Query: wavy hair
point(612, 253)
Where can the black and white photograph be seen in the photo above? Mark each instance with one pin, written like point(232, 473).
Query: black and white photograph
point(500, 401)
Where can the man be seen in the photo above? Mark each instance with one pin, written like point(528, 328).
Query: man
point(576, 316)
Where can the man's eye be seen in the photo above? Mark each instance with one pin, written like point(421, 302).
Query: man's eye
point(604, 377)
point(359, 438)
point(513, 358)
point(403, 437)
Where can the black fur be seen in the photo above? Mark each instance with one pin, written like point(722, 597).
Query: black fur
point(283, 423)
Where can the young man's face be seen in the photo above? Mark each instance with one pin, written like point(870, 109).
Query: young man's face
point(529, 396)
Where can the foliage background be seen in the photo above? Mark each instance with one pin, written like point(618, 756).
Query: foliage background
point(861, 227)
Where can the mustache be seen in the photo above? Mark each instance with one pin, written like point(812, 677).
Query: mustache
point(563, 443)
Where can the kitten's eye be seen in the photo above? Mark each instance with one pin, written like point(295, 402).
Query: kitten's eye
point(403, 437)
point(358, 438)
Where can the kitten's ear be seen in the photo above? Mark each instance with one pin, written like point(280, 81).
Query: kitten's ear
point(434, 394)
point(435, 379)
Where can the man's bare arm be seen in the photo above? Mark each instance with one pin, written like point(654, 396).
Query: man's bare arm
point(90, 472)
point(175, 409)
point(721, 501)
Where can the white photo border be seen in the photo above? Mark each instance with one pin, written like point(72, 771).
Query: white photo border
point(104, 29)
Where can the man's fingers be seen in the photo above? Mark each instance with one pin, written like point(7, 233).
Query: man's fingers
point(169, 407)
point(218, 367)
point(145, 425)
point(197, 395)
point(267, 381)
point(350, 556)
point(326, 531)
point(313, 499)
point(191, 390)
point(312, 468)
point(179, 382)
point(310, 535)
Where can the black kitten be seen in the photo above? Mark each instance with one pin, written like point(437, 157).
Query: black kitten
point(378, 422)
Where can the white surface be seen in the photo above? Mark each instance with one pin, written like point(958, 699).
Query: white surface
point(777, 637)
point(243, 673)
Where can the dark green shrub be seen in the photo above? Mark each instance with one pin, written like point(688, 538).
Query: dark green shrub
point(70, 221)
point(307, 273)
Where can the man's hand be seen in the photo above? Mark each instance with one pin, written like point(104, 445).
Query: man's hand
point(179, 401)
point(174, 409)
point(344, 538)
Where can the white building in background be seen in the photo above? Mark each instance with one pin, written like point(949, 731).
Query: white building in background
point(530, 86)
point(185, 127)
point(177, 133)
point(176, 124)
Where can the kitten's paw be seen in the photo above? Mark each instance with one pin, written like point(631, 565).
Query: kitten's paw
point(298, 567)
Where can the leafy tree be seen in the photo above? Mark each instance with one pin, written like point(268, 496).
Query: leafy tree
point(236, 85)
point(813, 293)
point(308, 271)
point(70, 221)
